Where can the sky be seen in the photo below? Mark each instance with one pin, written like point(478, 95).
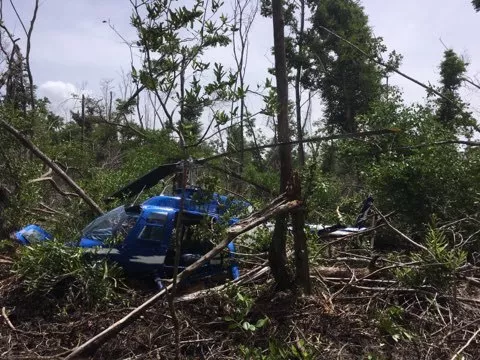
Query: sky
point(73, 49)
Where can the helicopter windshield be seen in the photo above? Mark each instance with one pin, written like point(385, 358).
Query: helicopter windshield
point(114, 222)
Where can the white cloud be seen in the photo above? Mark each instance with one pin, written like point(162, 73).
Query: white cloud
point(63, 96)
point(57, 91)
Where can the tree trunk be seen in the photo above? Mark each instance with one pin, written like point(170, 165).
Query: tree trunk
point(302, 271)
point(277, 254)
point(298, 99)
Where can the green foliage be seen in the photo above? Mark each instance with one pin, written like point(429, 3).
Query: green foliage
point(437, 266)
point(403, 172)
point(16, 169)
point(240, 307)
point(7, 247)
point(331, 198)
point(53, 270)
point(348, 81)
point(389, 322)
point(278, 351)
point(451, 111)
point(173, 65)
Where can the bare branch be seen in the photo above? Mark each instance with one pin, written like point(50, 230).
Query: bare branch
point(381, 63)
point(455, 356)
point(420, 246)
point(27, 55)
point(47, 161)
point(18, 17)
point(55, 186)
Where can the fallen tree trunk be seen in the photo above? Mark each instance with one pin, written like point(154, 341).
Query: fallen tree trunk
point(47, 161)
point(278, 206)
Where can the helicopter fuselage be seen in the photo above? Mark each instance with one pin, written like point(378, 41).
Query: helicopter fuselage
point(141, 238)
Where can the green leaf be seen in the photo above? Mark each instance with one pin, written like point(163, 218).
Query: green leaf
point(261, 322)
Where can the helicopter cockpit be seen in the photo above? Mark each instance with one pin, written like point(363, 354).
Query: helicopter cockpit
point(116, 223)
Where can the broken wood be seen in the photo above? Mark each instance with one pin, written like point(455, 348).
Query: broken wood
point(420, 246)
point(7, 320)
point(47, 161)
point(278, 206)
point(54, 185)
point(467, 344)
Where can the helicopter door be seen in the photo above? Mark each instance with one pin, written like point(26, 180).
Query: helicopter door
point(147, 250)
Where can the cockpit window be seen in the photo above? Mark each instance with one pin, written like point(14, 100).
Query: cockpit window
point(157, 218)
point(113, 223)
point(154, 228)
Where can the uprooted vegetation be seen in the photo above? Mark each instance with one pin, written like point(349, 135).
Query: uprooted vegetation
point(365, 304)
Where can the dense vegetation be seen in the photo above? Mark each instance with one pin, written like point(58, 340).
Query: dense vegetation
point(407, 290)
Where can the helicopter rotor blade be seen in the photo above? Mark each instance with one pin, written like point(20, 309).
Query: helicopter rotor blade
point(307, 140)
point(146, 181)
point(239, 177)
point(154, 176)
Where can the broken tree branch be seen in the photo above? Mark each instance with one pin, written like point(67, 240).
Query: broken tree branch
point(55, 186)
point(7, 320)
point(309, 140)
point(402, 234)
point(47, 161)
point(278, 206)
point(439, 143)
point(455, 356)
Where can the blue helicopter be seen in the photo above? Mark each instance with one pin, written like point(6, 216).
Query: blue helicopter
point(141, 237)
point(144, 234)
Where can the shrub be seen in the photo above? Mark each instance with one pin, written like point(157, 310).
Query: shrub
point(53, 270)
point(438, 265)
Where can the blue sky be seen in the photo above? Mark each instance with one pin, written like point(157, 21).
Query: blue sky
point(74, 49)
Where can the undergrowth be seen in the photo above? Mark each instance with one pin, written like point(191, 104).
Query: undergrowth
point(54, 270)
point(437, 266)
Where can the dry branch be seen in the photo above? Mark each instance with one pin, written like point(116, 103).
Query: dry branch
point(277, 206)
point(47, 161)
point(7, 320)
point(55, 186)
point(466, 344)
point(402, 234)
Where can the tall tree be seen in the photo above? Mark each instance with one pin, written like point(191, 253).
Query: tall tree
point(277, 253)
point(174, 38)
point(451, 113)
point(298, 75)
point(476, 5)
point(348, 82)
point(296, 59)
point(244, 13)
point(288, 183)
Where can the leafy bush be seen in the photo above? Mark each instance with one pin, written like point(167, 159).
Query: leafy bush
point(404, 171)
point(389, 322)
point(242, 304)
point(53, 270)
point(438, 265)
